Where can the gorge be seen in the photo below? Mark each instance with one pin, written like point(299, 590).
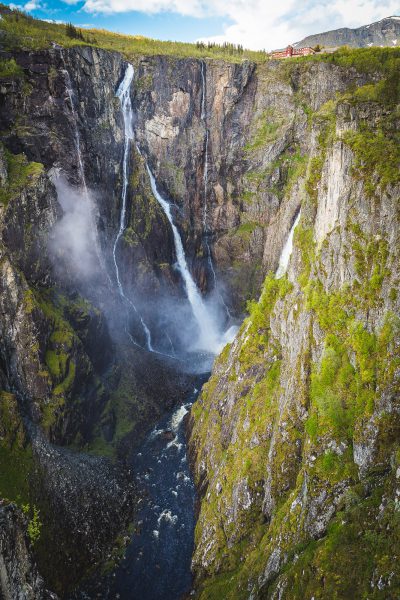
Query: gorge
point(199, 333)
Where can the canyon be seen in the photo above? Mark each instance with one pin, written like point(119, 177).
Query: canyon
point(158, 212)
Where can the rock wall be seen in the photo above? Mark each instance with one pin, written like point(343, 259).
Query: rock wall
point(295, 438)
point(18, 574)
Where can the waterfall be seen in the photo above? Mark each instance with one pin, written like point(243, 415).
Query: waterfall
point(205, 181)
point(209, 338)
point(123, 93)
point(205, 173)
point(77, 139)
point(287, 250)
point(77, 143)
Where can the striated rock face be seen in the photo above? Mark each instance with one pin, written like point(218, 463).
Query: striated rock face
point(18, 574)
point(295, 438)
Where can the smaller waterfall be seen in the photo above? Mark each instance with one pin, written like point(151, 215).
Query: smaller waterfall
point(77, 139)
point(123, 93)
point(77, 142)
point(205, 173)
point(287, 250)
point(209, 337)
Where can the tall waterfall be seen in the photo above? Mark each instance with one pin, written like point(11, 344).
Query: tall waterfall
point(209, 336)
point(123, 93)
point(287, 250)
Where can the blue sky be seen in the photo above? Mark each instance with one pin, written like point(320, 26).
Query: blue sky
point(256, 24)
point(162, 25)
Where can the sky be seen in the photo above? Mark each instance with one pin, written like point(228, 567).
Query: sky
point(256, 24)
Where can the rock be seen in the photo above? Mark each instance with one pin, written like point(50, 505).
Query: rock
point(19, 576)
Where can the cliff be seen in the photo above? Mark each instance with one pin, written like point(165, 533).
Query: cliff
point(295, 438)
point(24, 581)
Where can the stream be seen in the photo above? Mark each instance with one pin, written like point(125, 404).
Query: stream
point(156, 565)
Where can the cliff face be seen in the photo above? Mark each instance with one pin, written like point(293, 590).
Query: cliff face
point(295, 438)
point(18, 579)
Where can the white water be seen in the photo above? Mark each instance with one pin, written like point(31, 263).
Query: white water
point(287, 250)
point(123, 93)
point(209, 338)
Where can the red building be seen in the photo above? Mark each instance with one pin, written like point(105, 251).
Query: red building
point(290, 51)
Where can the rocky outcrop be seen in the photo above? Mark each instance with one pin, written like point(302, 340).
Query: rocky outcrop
point(295, 437)
point(19, 577)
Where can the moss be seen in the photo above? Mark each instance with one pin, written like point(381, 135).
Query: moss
point(246, 229)
point(10, 69)
point(267, 128)
point(21, 174)
point(16, 462)
point(377, 154)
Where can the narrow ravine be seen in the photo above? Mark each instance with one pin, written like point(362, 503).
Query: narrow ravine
point(157, 562)
point(156, 565)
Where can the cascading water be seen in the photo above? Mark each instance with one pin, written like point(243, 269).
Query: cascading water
point(287, 250)
point(205, 180)
point(77, 139)
point(205, 174)
point(77, 142)
point(209, 338)
point(123, 93)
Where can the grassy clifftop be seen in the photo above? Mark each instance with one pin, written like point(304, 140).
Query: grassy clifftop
point(23, 31)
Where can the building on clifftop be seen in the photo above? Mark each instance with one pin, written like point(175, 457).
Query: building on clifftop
point(289, 52)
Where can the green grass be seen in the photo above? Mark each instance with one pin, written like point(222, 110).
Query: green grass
point(9, 68)
point(20, 174)
point(376, 153)
point(267, 130)
point(23, 31)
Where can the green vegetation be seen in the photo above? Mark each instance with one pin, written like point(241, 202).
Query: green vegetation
point(23, 31)
point(267, 129)
point(16, 460)
point(9, 68)
point(20, 175)
point(377, 157)
point(34, 526)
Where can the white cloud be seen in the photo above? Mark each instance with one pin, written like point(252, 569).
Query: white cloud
point(54, 21)
point(261, 23)
point(28, 6)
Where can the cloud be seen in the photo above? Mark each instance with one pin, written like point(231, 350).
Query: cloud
point(28, 6)
point(260, 24)
point(54, 21)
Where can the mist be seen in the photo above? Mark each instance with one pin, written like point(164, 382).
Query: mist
point(175, 328)
point(74, 245)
